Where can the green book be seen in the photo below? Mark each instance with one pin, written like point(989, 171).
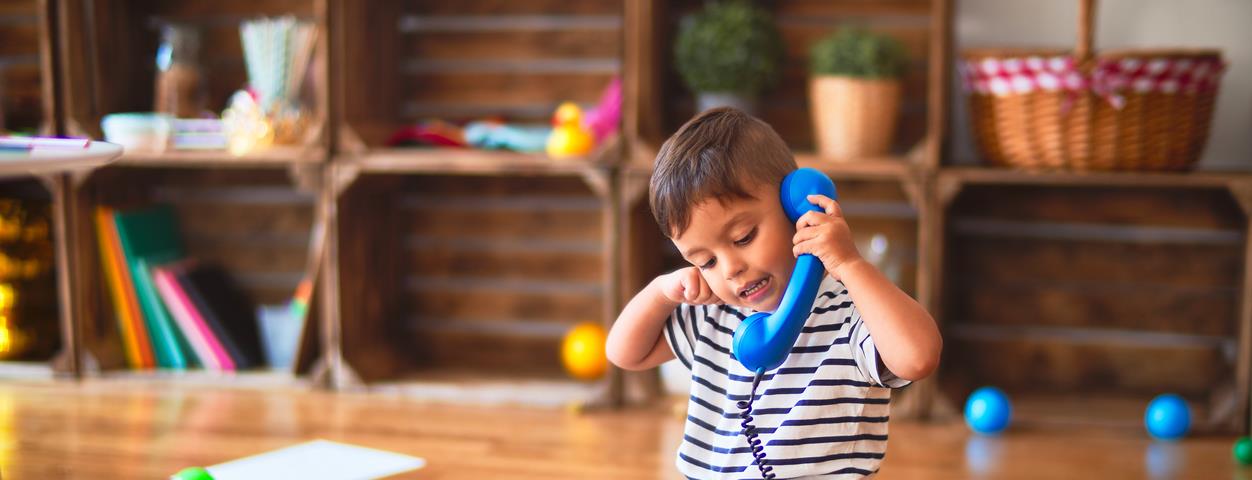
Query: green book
point(149, 237)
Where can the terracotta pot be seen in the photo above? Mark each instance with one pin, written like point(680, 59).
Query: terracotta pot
point(853, 118)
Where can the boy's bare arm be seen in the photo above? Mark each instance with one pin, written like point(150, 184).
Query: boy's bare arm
point(636, 341)
point(905, 334)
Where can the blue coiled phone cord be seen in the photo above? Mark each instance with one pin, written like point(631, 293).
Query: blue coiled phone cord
point(749, 431)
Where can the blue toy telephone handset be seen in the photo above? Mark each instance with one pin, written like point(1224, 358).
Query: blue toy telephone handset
point(763, 340)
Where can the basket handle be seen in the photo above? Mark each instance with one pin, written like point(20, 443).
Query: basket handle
point(1086, 29)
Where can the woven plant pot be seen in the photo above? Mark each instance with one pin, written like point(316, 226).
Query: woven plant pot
point(853, 118)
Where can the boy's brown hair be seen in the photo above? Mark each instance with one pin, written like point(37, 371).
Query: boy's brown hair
point(718, 154)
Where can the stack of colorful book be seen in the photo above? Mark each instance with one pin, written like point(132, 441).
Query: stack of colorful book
point(173, 312)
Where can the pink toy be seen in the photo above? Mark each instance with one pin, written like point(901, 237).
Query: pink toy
point(604, 119)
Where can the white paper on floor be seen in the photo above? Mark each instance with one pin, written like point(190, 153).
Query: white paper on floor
point(317, 460)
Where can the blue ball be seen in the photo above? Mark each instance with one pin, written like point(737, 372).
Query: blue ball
point(1167, 417)
point(988, 411)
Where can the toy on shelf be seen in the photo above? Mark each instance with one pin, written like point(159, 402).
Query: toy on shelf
point(1168, 417)
point(569, 138)
point(604, 119)
point(988, 411)
point(436, 133)
point(582, 351)
point(246, 127)
point(498, 135)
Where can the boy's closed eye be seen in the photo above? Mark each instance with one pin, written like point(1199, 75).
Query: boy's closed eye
point(740, 242)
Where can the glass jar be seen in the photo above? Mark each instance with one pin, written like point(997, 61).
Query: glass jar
point(179, 80)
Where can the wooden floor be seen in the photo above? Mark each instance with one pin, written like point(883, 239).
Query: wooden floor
point(123, 429)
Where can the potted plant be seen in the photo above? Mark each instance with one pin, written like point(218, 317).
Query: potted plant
point(854, 93)
point(728, 54)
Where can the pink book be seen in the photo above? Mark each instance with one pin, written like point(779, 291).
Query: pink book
point(207, 347)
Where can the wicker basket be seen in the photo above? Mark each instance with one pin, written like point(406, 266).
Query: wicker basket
point(1126, 110)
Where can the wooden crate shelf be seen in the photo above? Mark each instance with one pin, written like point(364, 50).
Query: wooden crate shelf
point(465, 161)
point(959, 176)
point(272, 157)
point(243, 212)
point(662, 102)
point(465, 61)
point(466, 272)
point(466, 260)
point(1096, 284)
point(109, 55)
point(254, 222)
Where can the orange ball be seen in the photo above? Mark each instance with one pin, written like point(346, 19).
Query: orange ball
point(582, 351)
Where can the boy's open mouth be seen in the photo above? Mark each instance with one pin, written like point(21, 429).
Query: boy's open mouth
point(754, 288)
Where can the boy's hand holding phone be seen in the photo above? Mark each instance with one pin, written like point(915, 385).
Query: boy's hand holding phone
point(826, 236)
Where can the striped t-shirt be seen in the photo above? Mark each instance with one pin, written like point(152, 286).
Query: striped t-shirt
point(822, 414)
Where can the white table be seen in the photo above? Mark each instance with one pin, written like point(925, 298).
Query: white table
point(57, 160)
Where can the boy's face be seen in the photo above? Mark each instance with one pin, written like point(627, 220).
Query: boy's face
point(742, 248)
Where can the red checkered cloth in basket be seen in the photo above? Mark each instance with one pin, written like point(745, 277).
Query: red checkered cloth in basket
point(1109, 78)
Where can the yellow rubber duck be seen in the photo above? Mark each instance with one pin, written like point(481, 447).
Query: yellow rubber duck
point(568, 137)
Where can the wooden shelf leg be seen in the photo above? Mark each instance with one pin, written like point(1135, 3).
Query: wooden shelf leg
point(331, 370)
point(66, 361)
point(923, 400)
point(1242, 192)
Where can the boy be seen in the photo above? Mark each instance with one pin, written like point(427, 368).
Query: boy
point(823, 413)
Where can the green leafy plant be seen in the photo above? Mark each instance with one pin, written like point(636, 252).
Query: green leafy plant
point(730, 46)
point(856, 52)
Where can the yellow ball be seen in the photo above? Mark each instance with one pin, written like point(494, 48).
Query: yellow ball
point(582, 351)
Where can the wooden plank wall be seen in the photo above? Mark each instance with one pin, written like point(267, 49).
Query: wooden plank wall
point(496, 270)
point(475, 59)
point(802, 23)
point(21, 91)
point(1087, 290)
point(251, 221)
point(471, 274)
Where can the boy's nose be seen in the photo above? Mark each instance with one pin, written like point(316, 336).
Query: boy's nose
point(734, 267)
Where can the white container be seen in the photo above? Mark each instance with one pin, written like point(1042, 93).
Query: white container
point(140, 131)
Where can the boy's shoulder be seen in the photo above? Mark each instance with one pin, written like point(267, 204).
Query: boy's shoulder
point(832, 291)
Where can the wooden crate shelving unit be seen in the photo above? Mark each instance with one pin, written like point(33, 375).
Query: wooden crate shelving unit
point(1085, 295)
point(456, 266)
point(252, 213)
